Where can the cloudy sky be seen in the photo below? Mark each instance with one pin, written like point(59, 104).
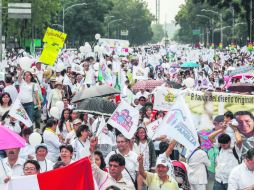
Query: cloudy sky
point(169, 8)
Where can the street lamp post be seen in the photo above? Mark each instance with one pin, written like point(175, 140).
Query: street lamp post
point(66, 9)
point(220, 16)
point(207, 34)
point(111, 23)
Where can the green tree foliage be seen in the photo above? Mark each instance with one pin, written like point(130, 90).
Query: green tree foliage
point(83, 22)
point(158, 33)
point(188, 20)
point(43, 13)
point(135, 17)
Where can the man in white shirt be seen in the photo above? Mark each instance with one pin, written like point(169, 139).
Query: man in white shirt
point(227, 159)
point(10, 88)
point(13, 162)
point(116, 167)
point(131, 164)
point(242, 176)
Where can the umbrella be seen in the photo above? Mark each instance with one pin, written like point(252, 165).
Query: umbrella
point(147, 84)
point(189, 64)
point(94, 91)
point(239, 76)
point(9, 139)
point(96, 105)
point(241, 87)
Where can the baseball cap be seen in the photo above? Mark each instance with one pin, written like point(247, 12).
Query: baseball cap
point(162, 161)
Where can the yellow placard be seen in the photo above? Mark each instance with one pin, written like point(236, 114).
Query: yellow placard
point(54, 37)
point(49, 54)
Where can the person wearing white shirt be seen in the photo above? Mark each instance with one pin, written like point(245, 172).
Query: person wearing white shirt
point(5, 172)
point(81, 144)
point(142, 93)
point(41, 151)
point(28, 90)
point(89, 75)
point(27, 152)
point(52, 140)
point(9, 88)
point(131, 166)
point(72, 134)
point(13, 162)
point(227, 159)
point(114, 177)
point(242, 176)
point(197, 175)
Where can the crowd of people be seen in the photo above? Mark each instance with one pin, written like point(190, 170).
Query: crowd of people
point(119, 162)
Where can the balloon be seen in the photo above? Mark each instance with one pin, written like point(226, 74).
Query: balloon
point(82, 49)
point(97, 36)
point(60, 106)
point(54, 112)
point(25, 62)
point(35, 139)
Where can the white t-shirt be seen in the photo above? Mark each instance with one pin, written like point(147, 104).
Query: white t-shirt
point(53, 144)
point(131, 164)
point(12, 91)
point(25, 93)
point(81, 149)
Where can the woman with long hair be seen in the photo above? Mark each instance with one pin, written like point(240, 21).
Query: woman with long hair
point(99, 160)
point(28, 93)
point(64, 126)
point(5, 103)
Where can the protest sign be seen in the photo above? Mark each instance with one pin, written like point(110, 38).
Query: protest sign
point(54, 42)
point(152, 127)
point(178, 124)
point(242, 69)
point(125, 119)
point(221, 102)
point(54, 37)
point(204, 105)
point(49, 54)
point(18, 112)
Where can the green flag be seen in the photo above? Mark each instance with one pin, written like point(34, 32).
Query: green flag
point(100, 77)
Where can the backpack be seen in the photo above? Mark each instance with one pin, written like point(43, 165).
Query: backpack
point(235, 155)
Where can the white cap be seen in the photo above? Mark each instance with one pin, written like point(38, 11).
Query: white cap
point(162, 161)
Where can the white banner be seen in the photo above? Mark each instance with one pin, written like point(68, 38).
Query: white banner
point(178, 124)
point(125, 119)
point(152, 127)
point(18, 112)
point(164, 98)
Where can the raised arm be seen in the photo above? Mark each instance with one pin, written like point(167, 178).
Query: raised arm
point(141, 169)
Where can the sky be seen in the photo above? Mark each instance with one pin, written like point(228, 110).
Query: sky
point(169, 9)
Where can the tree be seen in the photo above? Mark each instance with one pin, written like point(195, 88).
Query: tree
point(43, 13)
point(135, 17)
point(158, 33)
